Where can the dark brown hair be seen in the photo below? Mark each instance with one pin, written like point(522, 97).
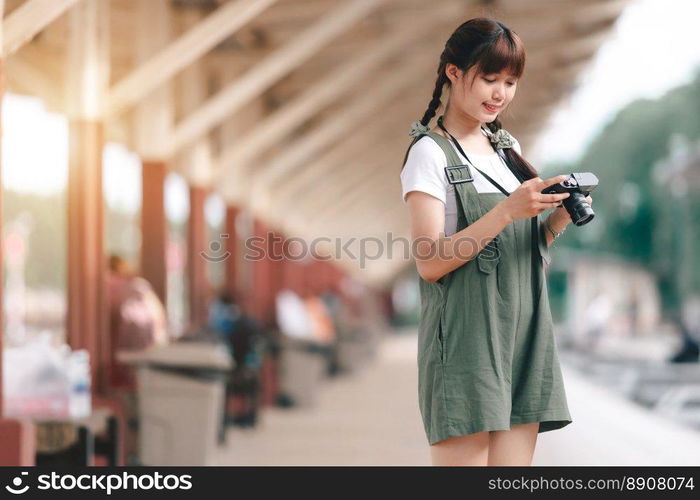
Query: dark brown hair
point(489, 46)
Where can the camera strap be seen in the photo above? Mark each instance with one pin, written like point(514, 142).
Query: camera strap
point(488, 177)
point(534, 228)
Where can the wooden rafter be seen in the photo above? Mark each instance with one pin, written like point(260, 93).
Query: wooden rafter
point(29, 19)
point(279, 124)
point(348, 116)
point(187, 48)
point(269, 70)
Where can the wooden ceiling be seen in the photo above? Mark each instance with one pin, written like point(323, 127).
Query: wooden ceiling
point(301, 106)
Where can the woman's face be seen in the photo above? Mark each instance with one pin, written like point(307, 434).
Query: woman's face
point(484, 98)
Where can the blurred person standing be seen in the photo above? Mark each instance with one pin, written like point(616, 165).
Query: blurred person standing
point(688, 323)
point(333, 304)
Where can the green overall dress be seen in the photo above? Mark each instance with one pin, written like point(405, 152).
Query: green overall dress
point(487, 357)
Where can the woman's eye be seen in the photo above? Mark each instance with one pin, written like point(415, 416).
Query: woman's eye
point(491, 81)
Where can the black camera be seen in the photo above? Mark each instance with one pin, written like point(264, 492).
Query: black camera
point(578, 185)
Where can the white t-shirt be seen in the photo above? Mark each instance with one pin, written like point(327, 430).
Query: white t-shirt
point(425, 171)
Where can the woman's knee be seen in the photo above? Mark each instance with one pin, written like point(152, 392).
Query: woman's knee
point(513, 447)
point(469, 449)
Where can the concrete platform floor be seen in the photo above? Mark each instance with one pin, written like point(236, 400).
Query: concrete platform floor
point(371, 417)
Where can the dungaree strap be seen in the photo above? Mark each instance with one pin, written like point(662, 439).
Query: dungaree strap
point(461, 177)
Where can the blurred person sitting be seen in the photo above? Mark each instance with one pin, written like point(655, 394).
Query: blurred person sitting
point(137, 318)
point(243, 336)
point(137, 321)
point(292, 317)
point(323, 328)
point(322, 325)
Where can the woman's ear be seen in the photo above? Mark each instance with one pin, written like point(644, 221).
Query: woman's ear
point(453, 73)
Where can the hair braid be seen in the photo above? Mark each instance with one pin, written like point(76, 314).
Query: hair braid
point(434, 102)
point(437, 94)
point(523, 167)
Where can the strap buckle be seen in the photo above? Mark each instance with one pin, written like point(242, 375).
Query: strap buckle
point(458, 174)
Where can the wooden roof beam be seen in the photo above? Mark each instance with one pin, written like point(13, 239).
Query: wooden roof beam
point(350, 178)
point(269, 70)
point(187, 48)
point(597, 14)
point(354, 176)
point(354, 112)
point(335, 159)
point(330, 192)
point(357, 178)
point(276, 126)
point(360, 216)
point(24, 77)
point(30, 18)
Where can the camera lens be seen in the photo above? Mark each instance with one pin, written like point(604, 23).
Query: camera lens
point(579, 209)
point(585, 219)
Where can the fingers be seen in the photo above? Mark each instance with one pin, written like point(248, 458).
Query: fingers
point(552, 180)
point(550, 198)
point(541, 207)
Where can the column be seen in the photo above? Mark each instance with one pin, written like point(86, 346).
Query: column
point(196, 264)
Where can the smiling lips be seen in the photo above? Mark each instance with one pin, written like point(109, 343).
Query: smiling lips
point(491, 109)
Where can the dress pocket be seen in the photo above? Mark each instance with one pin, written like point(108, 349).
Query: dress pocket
point(488, 258)
point(441, 342)
point(542, 241)
point(442, 333)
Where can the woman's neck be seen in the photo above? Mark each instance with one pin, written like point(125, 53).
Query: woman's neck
point(461, 126)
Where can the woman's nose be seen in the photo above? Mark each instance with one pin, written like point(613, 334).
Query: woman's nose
point(498, 93)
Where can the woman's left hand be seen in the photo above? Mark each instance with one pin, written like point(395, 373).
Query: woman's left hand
point(560, 216)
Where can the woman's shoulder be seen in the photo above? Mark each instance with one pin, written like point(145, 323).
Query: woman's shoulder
point(425, 169)
point(426, 146)
point(424, 157)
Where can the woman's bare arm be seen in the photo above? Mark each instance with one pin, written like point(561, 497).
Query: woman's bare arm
point(437, 255)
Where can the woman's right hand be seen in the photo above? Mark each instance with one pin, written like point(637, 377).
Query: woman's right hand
point(528, 201)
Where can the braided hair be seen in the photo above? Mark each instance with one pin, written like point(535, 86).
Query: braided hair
point(490, 46)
